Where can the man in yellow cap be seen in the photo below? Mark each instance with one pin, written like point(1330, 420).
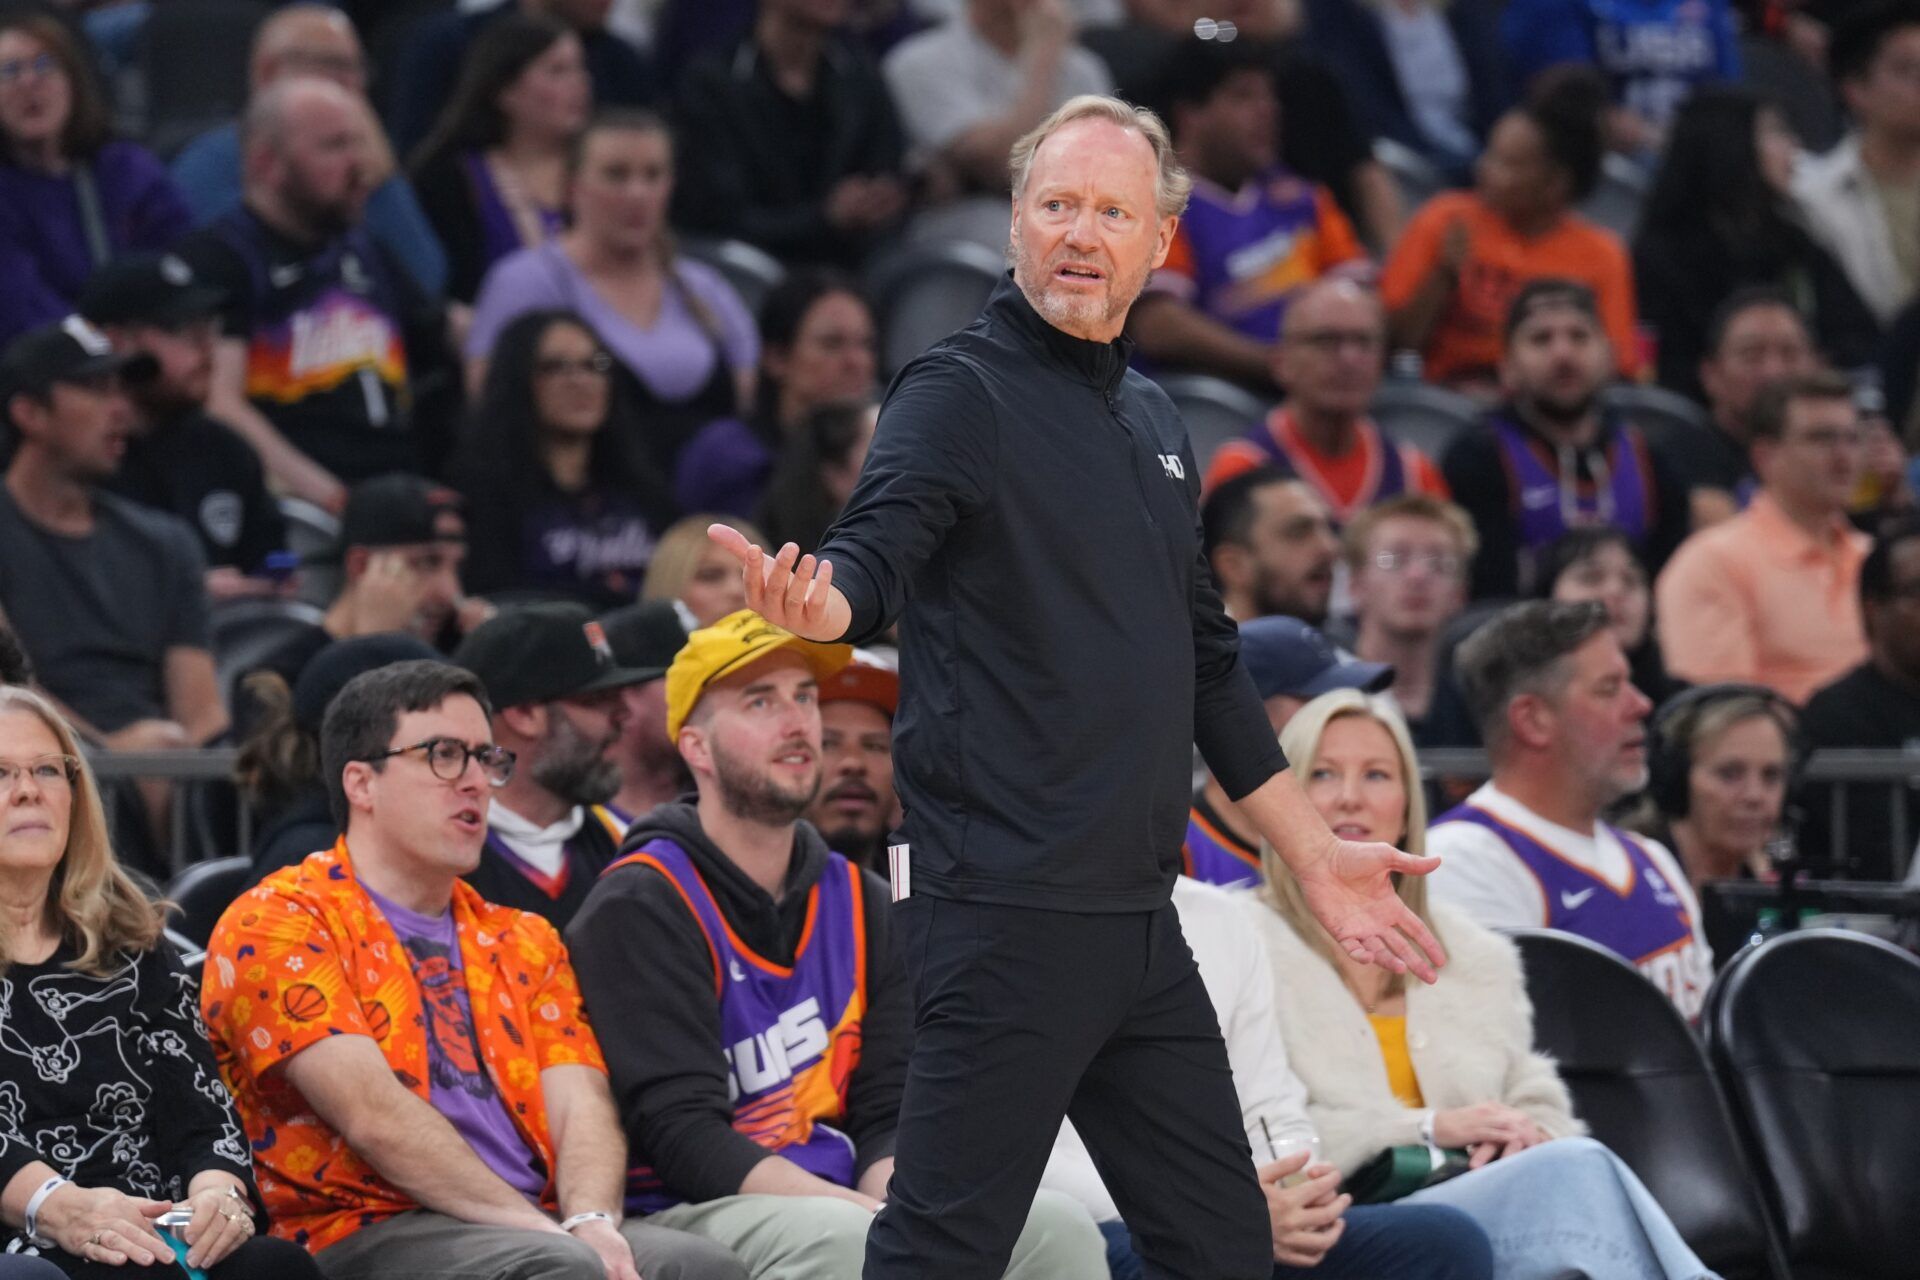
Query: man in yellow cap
point(745, 990)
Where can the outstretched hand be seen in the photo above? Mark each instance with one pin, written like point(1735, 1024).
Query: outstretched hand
point(789, 590)
point(1350, 890)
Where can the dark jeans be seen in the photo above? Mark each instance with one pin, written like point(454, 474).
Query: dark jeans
point(1024, 1016)
point(261, 1258)
point(1381, 1242)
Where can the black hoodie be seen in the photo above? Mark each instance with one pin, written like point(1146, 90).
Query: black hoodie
point(647, 975)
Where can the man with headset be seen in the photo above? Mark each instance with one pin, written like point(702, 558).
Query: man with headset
point(1566, 733)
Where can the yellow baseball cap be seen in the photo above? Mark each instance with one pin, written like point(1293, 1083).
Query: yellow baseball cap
point(729, 645)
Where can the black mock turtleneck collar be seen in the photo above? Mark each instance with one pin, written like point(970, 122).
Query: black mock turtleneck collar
point(1102, 364)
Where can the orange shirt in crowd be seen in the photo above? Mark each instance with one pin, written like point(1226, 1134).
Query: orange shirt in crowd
point(1466, 340)
point(306, 954)
point(1348, 482)
point(1756, 598)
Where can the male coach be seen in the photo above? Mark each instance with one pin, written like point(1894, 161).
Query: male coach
point(1030, 513)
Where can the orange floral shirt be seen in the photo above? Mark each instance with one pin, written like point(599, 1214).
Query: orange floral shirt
point(305, 955)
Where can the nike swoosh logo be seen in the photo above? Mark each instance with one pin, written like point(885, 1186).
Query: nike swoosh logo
point(1572, 901)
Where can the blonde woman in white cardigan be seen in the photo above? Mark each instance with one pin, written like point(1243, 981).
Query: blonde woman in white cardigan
point(1387, 1063)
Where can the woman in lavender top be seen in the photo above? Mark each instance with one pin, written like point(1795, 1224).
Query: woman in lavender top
point(675, 326)
point(561, 501)
point(492, 174)
point(71, 196)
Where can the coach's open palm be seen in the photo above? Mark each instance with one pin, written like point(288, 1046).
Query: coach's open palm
point(1350, 889)
point(789, 590)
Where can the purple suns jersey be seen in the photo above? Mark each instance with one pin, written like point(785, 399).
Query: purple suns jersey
point(1547, 503)
point(1646, 923)
point(1212, 855)
point(791, 1036)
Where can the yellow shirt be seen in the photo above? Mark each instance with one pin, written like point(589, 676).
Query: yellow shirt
point(1392, 1034)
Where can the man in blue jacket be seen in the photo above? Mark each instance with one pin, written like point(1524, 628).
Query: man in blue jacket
point(1029, 513)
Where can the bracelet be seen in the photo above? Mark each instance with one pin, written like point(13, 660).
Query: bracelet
point(39, 1198)
point(1426, 1128)
point(581, 1219)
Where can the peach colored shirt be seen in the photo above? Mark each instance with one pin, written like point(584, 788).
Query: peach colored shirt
point(1757, 598)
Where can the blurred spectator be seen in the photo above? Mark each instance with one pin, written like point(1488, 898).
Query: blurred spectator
point(317, 40)
point(324, 334)
point(1757, 337)
point(1319, 139)
point(1432, 77)
point(856, 807)
point(492, 174)
point(1407, 559)
point(676, 326)
point(560, 707)
point(99, 1001)
point(645, 637)
point(1271, 545)
point(561, 496)
point(1720, 762)
point(701, 579)
point(1254, 233)
point(1770, 595)
point(792, 141)
point(1898, 363)
point(1553, 458)
point(1720, 219)
point(1451, 279)
point(179, 459)
point(1875, 706)
point(443, 1058)
point(969, 88)
point(815, 477)
point(1291, 664)
point(1653, 56)
point(1599, 563)
point(107, 597)
point(401, 546)
point(817, 347)
point(437, 50)
point(1329, 360)
point(15, 669)
point(735, 880)
point(1862, 199)
point(71, 196)
point(1449, 1066)
point(278, 767)
point(1565, 731)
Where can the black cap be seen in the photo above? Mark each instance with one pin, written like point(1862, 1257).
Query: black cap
point(69, 351)
point(328, 671)
point(148, 288)
point(645, 636)
point(543, 653)
point(1286, 656)
point(398, 510)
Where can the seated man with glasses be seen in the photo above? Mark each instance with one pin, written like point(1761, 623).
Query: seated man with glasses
point(419, 1085)
point(1407, 562)
point(1329, 360)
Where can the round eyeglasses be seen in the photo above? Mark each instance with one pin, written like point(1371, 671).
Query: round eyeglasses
point(448, 758)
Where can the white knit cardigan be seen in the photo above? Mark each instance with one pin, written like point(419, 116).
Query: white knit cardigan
point(1470, 1036)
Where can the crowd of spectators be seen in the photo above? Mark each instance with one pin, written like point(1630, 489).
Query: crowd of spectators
point(446, 288)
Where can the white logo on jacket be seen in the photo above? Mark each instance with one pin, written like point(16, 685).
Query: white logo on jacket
point(1175, 469)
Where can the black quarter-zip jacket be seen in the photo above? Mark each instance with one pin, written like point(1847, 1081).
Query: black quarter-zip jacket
point(1029, 512)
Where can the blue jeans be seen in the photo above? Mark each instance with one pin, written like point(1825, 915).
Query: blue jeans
point(1381, 1242)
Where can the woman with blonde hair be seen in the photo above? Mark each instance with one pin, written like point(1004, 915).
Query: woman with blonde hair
point(701, 579)
point(111, 1109)
point(1448, 1067)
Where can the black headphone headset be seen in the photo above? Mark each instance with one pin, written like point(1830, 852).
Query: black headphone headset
point(1670, 753)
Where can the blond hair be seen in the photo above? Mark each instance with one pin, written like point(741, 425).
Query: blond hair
point(1300, 740)
point(1172, 184)
point(678, 553)
point(1410, 506)
point(93, 902)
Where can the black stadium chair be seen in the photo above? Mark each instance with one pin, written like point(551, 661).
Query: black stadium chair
point(753, 272)
point(1641, 1082)
point(1660, 413)
point(203, 891)
point(193, 58)
point(246, 631)
point(1817, 1035)
point(1427, 417)
point(1215, 411)
point(923, 292)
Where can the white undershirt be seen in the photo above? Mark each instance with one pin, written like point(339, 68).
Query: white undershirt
point(544, 848)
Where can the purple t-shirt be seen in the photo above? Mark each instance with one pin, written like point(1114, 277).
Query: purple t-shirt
point(674, 357)
point(461, 1089)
